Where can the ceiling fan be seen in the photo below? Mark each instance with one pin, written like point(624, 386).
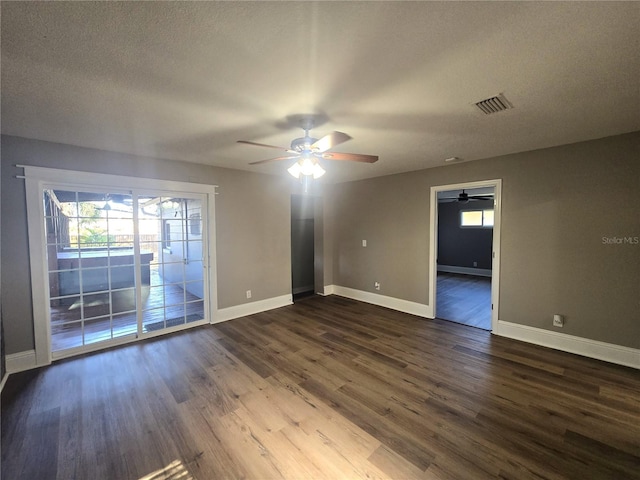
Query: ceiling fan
point(308, 150)
point(464, 197)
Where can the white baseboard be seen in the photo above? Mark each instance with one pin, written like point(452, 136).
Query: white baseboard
point(245, 309)
point(326, 290)
point(405, 306)
point(608, 352)
point(481, 272)
point(18, 362)
point(4, 380)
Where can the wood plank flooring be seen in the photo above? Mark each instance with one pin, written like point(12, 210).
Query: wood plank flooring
point(464, 299)
point(326, 388)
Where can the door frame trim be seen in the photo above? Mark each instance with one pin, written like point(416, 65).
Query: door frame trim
point(36, 179)
point(433, 242)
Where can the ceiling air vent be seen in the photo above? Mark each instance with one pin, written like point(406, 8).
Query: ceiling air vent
point(494, 104)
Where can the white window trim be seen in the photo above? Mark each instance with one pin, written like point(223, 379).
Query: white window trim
point(460, 225)
point(37, 178)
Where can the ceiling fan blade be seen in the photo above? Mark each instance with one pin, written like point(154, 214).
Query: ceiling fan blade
point(329, 141)
point(265, 145)
point(351, 157)
point(479, 197)
point(291, 157)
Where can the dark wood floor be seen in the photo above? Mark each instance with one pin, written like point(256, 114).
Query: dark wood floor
point(464, 299)
point(325, 388)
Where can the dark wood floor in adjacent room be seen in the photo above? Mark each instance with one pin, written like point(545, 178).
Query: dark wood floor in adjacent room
point(326, 388)
point(464, 299)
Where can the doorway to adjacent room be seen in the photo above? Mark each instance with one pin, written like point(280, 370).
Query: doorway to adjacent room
point(464, 253)
point(302, 245)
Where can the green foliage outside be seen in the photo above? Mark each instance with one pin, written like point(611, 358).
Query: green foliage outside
point(95, 237)
point(91, 231)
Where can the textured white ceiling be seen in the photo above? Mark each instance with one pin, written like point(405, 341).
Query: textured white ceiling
point(185, 80)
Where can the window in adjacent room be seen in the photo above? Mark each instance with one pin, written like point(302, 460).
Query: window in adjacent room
point(476, 218)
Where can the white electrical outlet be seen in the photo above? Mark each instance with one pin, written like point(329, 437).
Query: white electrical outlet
point(558, 321)
point(377, 285)
point(248, 293)
point(364, 243)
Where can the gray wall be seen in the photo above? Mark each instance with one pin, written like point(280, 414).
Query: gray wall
point(557, 205)
point(252, 225)
point(323, 244)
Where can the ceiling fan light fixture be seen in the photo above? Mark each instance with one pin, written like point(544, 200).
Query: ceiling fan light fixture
point(107, 199)
point(295, 169)
point(307, 150)
point(307, 167)
point(318, 171)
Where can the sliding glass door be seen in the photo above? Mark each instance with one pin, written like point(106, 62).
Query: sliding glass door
point(122, 264)
point(172, 248)
point(91, 264)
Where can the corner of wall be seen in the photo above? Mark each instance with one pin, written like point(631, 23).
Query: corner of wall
point(21, 361)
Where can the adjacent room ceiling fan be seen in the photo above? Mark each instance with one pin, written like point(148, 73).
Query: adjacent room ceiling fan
point(464, 197)
point(308, 150)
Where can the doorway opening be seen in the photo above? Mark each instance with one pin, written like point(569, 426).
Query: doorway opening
point(302, 246)
point(465, 253)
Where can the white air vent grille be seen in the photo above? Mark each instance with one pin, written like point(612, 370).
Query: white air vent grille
point(494, 104)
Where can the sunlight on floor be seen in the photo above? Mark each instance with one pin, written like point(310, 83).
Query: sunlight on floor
point(176, 470)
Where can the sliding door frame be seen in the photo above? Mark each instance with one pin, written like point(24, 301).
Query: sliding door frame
point(37, 180)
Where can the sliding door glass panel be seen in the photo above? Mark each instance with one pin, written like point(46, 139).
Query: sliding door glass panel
point(115, 271)
point(174, 295)
point(91, 263)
